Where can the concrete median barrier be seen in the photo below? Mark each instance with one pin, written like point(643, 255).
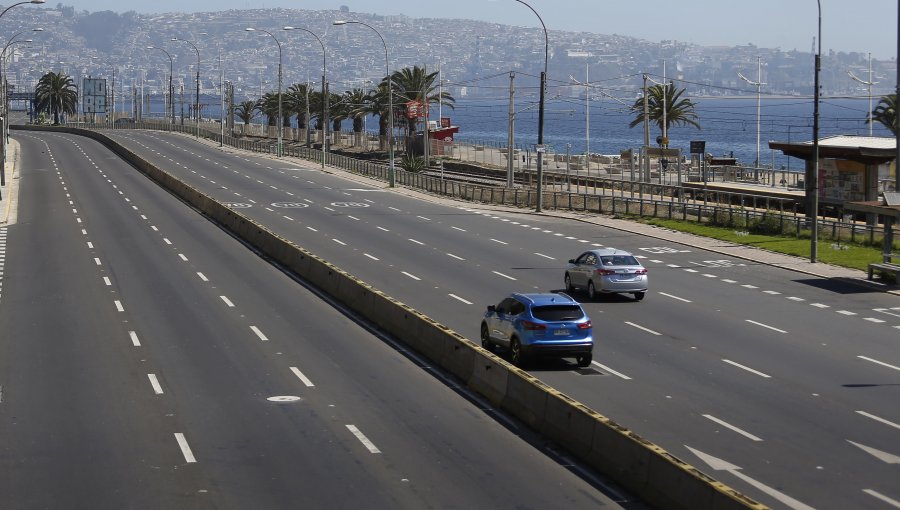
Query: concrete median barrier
point(643, 468)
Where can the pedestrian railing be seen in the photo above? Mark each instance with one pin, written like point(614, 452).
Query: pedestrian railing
point(594, 194)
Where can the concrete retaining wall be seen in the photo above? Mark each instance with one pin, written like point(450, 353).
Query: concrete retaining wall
point(643, 468)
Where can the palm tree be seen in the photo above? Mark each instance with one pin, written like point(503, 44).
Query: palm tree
point(268, 106)
point(886, 112)
point(375, 103)
point(355, 101)
point(56, 93)
point(294, 103)
point(416, 86)
point(246, 111)
point(678, 111)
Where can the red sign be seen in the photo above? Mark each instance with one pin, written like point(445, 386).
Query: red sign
point(416, 110)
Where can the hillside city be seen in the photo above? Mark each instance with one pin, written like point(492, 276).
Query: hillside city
point(474, 57)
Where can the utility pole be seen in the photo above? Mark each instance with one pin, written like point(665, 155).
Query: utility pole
point(587, 117)
point(645, 163)
point(758, 83)
point(510, 140)
point(869, 85)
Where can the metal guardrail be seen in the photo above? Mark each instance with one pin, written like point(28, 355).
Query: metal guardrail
point(753, 212)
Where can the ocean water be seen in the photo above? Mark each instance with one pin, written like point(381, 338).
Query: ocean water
point(727, 125)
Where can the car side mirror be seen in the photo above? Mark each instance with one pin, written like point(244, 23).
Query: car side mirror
point(492, 309)
point(571, 261)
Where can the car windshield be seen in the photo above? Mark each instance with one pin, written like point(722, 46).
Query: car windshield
point(558, 312)
point(619, 260)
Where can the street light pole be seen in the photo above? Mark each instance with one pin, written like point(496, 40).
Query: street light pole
point(814, 185)
point(324, 92)
point(758, 83)
point(280, 122)
point(869, 85)
point(171, 90)
point(197, 107)
point(391, 172)
point(540, 141)
point(6, 120)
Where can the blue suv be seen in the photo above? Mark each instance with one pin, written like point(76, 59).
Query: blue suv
point(547, 324)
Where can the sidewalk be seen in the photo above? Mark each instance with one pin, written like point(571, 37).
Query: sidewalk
point(9, 191)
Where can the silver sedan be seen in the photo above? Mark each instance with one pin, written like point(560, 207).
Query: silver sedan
point(607, 270)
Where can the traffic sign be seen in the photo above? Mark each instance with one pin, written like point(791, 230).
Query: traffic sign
point(698, 146)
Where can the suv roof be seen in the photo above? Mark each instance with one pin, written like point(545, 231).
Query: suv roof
point(545, 298)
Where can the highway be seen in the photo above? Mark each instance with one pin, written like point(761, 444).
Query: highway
point(782, 385)
point(150, 360)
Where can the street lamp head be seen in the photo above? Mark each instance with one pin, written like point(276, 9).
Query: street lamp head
point(249, 29)
point(39, 29)
point(340, 22)
point(38, 1)
point(287, 28)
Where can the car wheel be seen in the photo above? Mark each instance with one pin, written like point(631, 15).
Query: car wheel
point(638, 296)
point(584, 360)
point(486, 338)
point(569, 288)
point(592, 293)
point(516, 356)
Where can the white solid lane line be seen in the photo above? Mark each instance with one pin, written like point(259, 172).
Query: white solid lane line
point(302, 377)
point(675, 297)
point(879, 362)
point(611, 371)
point(259, 333)
point(732, 427)
point(227, 301)
point(642, 328)
point(155, 383)
point(767, 376)
point(454, 296)
point(766, 326)
point(134, 339)
point(363, 439)
point(185, 449)
point(893, 502)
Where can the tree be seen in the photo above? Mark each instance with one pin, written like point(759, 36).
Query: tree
point(268, 106)
point(375, 103)
point(294, 103)
point(56, 93)
point(416, 85)
point(246, 111)
point(679, 112)
point(354, 102)
point(886, 112)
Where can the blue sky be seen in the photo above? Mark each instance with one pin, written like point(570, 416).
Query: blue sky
point(859, 25)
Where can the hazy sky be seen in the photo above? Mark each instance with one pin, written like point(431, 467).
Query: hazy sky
point(857, 25)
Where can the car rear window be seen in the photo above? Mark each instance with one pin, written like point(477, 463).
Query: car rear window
point(557, 312)
point(619, 260)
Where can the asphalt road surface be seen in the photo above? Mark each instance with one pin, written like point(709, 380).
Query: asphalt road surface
point(782, 385)
point(149, 360)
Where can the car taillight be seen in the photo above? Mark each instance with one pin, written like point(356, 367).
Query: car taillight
point(533, 326)
point(641, 271)
point(604, 272)
point(585, 325)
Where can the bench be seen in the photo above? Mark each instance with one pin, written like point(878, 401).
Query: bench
point(884, 267)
